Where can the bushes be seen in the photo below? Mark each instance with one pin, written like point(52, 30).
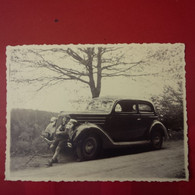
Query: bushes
point(177, 135)
point(26, 128)
point(169, 107)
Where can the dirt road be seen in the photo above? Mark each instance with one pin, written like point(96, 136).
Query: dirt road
point(124, 164)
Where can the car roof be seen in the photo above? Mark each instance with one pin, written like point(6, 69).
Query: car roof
point(114, 99)
point(118, 98)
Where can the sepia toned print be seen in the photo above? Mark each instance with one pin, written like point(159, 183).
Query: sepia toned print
point(114, 112)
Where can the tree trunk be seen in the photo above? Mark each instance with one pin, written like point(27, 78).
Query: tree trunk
point(95, 92)
point(99, 71)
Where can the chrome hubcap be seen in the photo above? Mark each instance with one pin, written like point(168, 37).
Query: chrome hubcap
point(156, 140)
point(89, 147)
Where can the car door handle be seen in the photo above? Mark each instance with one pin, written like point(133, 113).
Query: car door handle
point(138, 119)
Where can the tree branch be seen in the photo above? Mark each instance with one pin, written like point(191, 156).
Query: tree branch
point(122, 63)
point(76, 56)
point(128, 75)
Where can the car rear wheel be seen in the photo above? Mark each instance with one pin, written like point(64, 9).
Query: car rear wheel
point(156, 140)
point(89, 148)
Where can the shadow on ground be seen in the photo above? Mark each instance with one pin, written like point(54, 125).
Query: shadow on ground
point(109, 153)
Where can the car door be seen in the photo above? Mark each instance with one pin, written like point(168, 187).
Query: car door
point(124, 121)
point(147, 116)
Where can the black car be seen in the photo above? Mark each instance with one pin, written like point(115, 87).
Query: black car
point(110, 122)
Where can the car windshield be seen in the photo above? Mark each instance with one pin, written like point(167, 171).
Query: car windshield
point(100, 105)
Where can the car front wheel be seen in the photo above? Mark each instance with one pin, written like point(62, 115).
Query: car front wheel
point(89, 148)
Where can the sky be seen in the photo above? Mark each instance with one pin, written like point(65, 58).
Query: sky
point(59, 97)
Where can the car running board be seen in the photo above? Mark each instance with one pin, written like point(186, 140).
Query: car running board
point(130, 143)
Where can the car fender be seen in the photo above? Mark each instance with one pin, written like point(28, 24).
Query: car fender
point(158, 124)
point(90, 128)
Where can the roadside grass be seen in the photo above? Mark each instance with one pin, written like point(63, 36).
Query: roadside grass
point(28, 161)
point(176, 135)
point(37, 160)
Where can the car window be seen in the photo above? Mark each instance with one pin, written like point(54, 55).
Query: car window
point(125, 106)
point(99, 105)
point(144, 108)
point(118, 108)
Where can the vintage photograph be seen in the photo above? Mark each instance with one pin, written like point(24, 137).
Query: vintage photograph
point(96, 112)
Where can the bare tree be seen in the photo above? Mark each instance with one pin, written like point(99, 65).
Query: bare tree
point(88, 65)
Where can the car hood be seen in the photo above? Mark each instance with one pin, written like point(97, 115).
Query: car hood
point(98, 118)
point(84, 113)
